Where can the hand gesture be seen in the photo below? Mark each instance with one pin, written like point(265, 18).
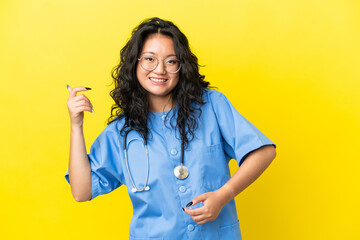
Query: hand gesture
point(77, 105)
point(213, 203)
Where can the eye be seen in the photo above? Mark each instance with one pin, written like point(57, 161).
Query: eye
point(149, 59)
point(171, 61)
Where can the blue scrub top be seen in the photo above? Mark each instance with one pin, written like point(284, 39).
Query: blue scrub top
point(222, 134)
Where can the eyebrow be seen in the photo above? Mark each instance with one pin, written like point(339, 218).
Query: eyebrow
point(170, 55)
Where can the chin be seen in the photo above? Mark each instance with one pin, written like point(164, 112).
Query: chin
point(159, 94)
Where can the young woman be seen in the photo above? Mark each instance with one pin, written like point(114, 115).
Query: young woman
point(169, 140)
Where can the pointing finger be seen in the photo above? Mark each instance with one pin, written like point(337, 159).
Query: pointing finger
point(199, 198)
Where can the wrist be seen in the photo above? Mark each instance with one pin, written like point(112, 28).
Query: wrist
point(76, 128)
point(227, 193)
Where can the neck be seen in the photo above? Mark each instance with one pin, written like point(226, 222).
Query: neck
point(160, 104)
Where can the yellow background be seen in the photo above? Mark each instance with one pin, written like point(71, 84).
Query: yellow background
point(290, 67)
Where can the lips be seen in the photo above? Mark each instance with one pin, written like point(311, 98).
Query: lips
point(160, 80)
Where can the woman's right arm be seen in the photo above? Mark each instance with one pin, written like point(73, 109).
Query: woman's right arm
point(79, 165)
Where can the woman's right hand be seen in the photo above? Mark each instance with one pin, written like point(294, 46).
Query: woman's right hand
point(77, 105)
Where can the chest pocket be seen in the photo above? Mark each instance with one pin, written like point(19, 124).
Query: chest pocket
point(214, 167)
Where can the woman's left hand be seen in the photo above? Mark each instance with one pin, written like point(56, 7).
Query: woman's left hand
point(250, 169)
point(213, 203)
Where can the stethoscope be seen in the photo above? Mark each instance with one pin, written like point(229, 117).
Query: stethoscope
point(180, 171)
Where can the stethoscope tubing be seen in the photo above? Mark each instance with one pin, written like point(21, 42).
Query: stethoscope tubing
point(181, 171)
point(146, 187)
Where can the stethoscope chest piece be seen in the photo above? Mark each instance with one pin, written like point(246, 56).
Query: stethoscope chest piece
point(181, 172)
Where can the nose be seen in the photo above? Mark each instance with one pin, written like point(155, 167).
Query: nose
point(160, 68)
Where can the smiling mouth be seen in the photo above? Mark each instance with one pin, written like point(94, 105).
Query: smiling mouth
point(158, 79)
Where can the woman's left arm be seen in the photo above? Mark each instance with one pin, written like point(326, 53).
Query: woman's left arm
point(252, 167)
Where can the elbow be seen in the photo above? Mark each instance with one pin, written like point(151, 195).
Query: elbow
point(81, 198)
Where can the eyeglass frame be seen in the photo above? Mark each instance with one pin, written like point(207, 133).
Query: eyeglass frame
point(158, 61)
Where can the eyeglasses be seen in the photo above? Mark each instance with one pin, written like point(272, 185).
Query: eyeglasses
point(149, 63)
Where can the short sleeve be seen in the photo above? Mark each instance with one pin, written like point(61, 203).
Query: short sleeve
point(106, 173)
point(240, 137)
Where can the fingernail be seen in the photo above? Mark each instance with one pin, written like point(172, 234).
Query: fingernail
point(67, 86)
point(183, 209)
point(92, 111)
point(189, 204)
point(87, 88)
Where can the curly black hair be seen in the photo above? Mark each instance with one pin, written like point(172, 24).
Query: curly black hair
point(130, 97)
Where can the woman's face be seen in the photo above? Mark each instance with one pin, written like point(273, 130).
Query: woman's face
point(158, 83)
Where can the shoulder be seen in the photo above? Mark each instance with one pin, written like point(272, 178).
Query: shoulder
point(113, 129)
point(214, 97)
